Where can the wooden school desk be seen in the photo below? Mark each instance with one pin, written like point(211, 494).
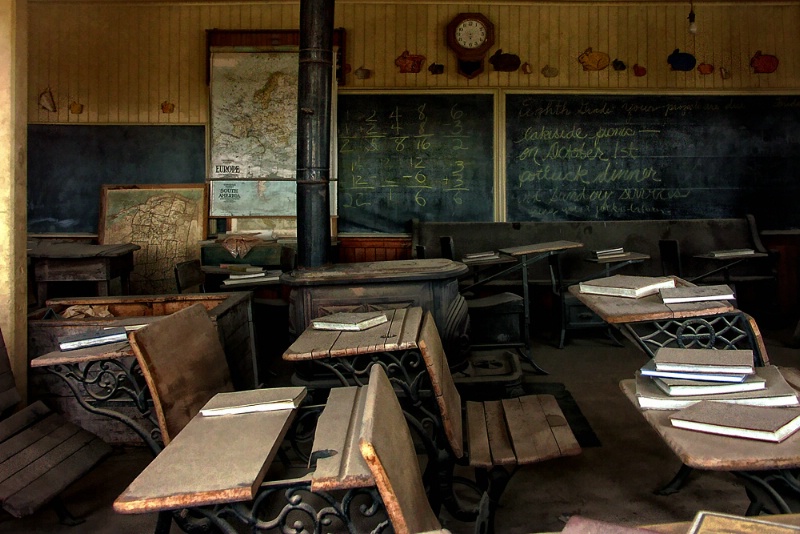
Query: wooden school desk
point(234, 487)
point(527, 255)
point(81, 262)
point(650, 324)
point(769, 471)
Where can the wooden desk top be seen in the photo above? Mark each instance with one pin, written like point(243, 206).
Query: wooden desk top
point(400, 332)
point(717, 453)
point(617, 310)
point(242, 446)
point(733, 257)
point(629, 256)
point(536, 248)
point(44, 249)
point(377, 272)
point(112, 351)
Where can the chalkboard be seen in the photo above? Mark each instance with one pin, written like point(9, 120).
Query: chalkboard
point(67, 165)
point(613, 157)
point(404, 156)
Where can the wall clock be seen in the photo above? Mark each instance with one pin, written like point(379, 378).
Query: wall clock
point(470, 36)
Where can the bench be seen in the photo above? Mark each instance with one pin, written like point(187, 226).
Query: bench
point(41, 453)
point(500, 435)
point(690, 237)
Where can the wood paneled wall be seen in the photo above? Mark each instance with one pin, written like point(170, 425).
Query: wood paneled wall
point(122, 60)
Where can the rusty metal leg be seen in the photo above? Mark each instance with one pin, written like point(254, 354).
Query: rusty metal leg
point(677, 482)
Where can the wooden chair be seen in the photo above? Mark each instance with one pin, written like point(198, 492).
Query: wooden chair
point(189, 277)
point(670, 252)
point(184, 365)
point(41, 453)
point(500, 435)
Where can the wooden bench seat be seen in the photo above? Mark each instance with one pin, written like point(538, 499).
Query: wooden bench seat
point(501, 434)
point(41, 453)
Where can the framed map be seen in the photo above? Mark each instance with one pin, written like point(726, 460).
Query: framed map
point(253, 115)
point(166, 221)
point(253, 130)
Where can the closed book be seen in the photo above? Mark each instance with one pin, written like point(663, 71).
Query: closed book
point(623, 285)
point(731, 252)
point(679, 386)
point(706, 522)
point(240, 276)
point(649, 369)
point(352, 321)
point(753, 422)
point(608, 252)
point(481, 255)
point(93, 338)
point(678, 295)
point(734, 361)
point(777, 392)
point(255, 400)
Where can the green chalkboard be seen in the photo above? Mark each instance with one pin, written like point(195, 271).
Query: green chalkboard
point(68, 164)
point(404, 156)
point(615, 157)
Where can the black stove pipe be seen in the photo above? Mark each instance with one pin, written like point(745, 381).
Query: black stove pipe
point(313, 133)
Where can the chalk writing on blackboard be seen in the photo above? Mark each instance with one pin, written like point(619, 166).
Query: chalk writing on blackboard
point(406, 156)
point(607, 157)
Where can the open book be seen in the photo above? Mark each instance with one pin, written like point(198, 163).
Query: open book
point(254, 400)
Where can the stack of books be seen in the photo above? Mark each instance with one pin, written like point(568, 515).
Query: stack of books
point(724, 384)
point(488, 255)
point(731, 252)
point(610, 253)
point(248, 274)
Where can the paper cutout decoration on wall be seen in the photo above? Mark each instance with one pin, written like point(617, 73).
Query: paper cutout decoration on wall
point(46, 100)
point(724, 73)
point(705, 68)
point(409, 63)
point(362, 73)
point(764, 63)
point(526, 68)
point(638, 70)
point(504, 62)
point(681, 60)
point(594, 60)
point(436, 69)
point(549, 72)
point(618, 65)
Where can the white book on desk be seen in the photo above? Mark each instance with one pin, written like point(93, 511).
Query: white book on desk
point(683, 387)
point(649, 369)
point(255, 400)
point(778, 392)
point(93, 338)
point(736, 420)
point(723, 361)
point(678, 295)
point(349, 321)
point(628, 286)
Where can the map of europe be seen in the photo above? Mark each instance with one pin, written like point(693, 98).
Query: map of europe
point(254, 115)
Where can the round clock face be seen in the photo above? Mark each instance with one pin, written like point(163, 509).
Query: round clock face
point(470, 33)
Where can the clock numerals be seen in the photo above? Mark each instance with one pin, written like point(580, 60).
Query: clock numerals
point(470, 34)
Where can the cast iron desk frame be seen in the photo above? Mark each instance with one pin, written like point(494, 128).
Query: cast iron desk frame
point(106, 374)
point(527, 255)
point(770, 472)
point(349, 357)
